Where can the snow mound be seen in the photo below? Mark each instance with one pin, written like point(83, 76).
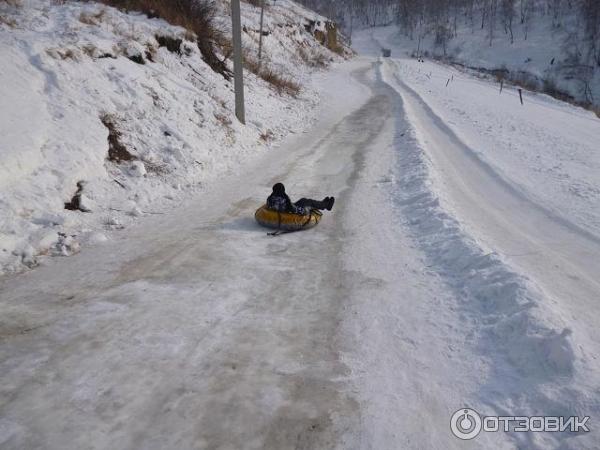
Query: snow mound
point(535, 362)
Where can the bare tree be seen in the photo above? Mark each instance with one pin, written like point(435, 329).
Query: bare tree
point(590, 12)
point(508, 15)
point(526, 13)
point(493, 5)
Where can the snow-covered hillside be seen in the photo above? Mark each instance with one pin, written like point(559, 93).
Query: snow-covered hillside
point(117, 115)
point(551, 46)
point(543, 61)
point(531, 144)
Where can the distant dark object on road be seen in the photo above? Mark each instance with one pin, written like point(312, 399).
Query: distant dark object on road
point(386, 52)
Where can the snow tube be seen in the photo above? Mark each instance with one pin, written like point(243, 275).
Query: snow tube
point(286, 221)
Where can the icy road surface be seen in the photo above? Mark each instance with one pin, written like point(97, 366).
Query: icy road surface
point(436, 283)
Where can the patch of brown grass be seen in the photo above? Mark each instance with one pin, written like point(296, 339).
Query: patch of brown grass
point(266, 136)
point(170, 43)
point(11, 22)
point(223, 119)
point(89, 50)
point(226, 123)
point(8, 21)
point(281, 83)
point(312, 58)
point(196, 16)
point(339, 50)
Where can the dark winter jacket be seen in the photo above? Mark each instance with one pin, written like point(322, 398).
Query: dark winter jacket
point(279, 201)
point(282, 203)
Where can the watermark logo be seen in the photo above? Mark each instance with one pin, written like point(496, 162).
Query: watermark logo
point(467, 423)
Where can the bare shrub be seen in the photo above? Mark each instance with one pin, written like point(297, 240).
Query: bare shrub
point(11, 22)
point(89, 50)
point(138, 59)
point(312, 58)
point(226, 123)
point(549, 87)
point(8, 21)
point(197, 16)
point(339, 50)
point(170, 43)
point(282, 84)
point(266, 136)
point(223, 119)
point(501, 73)
point(526, 80)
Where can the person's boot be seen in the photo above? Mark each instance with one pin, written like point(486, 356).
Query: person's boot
point(330, 202)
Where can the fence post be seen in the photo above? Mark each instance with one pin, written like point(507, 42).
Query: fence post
point(521, 95)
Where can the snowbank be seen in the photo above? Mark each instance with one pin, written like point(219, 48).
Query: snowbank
point(102, 117)
point(531, 334)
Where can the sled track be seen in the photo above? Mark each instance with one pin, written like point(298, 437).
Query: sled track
point(527, 351)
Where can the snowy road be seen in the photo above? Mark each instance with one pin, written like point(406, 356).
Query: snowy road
point(196, 331)
point(405, 304)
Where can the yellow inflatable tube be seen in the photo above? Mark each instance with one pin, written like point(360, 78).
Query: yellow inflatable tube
point(286, 221)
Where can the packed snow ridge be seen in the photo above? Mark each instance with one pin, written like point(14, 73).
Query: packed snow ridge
point(113, 116)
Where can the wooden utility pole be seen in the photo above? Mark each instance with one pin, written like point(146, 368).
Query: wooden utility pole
point(238, 68)
point(260, 37)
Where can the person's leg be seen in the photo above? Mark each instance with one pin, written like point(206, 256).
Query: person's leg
point(310, 203)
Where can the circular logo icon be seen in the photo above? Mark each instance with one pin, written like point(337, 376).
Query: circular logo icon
point(465, 423)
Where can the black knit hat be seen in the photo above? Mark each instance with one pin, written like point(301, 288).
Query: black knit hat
point(279, 188)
